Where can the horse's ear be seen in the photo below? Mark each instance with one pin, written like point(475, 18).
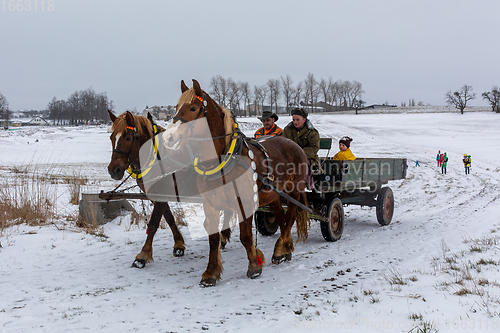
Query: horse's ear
point(183, 86)
point(197, 88)
point(130, 119)
point(111, 116)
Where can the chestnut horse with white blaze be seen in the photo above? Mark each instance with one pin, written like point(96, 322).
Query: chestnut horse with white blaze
point(278, 161)
point(129, 133)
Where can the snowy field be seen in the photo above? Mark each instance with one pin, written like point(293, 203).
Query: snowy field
point(434, 268)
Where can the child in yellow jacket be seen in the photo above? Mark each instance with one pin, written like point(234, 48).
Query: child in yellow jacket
point(345, 151)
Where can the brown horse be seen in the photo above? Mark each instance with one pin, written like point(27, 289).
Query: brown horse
point(129, 134)
point(286, 164)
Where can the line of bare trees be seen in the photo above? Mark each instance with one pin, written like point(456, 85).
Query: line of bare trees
point(461, 98)
point(284, 92)
point(81, 107)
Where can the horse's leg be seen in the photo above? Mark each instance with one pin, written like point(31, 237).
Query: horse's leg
point(179, 245)
point(146, 255)
point(226, 229)
point(214, 269)
point(254, 264)
point(284, 245)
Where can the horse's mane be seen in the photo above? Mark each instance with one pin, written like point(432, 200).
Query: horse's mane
point(188, 97)
point(228, 124)
point(141, 123)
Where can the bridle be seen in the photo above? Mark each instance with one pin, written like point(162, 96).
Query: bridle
point(203, 110)
point(134, 138)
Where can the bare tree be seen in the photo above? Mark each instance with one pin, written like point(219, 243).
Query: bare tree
point(358, 104)
point(233, 95)
point(460, 98)
point(334, 92)
point(342, 92)
point(246, 94)
point(58, 111)
point(259, 98)
point(324, 91)
point(311, 91)
point(356, 92)
point(263, 93)
point(5, 112)
point(274, 88)
point(298, 93)
point(219, 89)
point(493, 98)
point(287, 89)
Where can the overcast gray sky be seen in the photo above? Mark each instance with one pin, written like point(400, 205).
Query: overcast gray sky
point(138, 52)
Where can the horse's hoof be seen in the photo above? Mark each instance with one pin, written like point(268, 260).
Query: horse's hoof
point(223, 245)
point(178, 252)
point(254, 274)
point(208, 283)
point(139, 263)
point(278, 260)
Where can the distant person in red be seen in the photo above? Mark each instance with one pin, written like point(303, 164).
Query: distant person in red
point(441, 159)
point(438, 157)
point(269, 126)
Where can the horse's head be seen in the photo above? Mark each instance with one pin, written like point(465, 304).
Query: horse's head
point(129, 133)
point(197, 115)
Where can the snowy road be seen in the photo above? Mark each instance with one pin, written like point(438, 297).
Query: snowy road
point(55, 280)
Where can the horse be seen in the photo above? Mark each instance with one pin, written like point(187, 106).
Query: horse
point(129, 133)
point(279, 165)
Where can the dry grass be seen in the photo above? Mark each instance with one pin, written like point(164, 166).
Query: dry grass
point(395, 278)
point(465, 272)
point(75, 184)
point(28, 199)
point(179, 215)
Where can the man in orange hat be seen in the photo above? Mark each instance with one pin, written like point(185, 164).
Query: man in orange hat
point(269, 125)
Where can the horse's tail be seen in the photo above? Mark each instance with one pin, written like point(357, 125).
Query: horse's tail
point(302, 219)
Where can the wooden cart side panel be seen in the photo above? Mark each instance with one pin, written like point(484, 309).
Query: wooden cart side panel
point(374, 169)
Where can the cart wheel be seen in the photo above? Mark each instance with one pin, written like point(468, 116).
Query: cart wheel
point(333, 228)
point(266, 223)
point(385, 206)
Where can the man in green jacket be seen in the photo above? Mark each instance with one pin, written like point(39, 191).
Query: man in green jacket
point(301, 131)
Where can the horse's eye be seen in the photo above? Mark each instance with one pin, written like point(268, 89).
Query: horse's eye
point(193, 109)
point(128, 138)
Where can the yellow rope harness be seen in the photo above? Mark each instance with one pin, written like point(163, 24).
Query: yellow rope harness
point(228, 155)
point(151, 161)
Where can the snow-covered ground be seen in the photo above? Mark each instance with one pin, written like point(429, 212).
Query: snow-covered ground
point(436, 264)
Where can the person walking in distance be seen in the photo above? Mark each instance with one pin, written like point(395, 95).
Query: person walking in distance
point(438, 158)
point(444, 164)
point(467, 163)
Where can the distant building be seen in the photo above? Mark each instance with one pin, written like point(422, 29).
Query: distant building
point(37, 121)
point(159, 112)
point(324, 107)
point(257, 109)
point(379, 106)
